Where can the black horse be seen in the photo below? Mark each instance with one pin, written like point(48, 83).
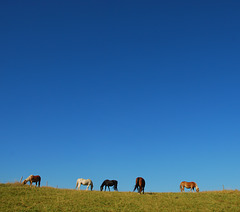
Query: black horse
point(108, 183)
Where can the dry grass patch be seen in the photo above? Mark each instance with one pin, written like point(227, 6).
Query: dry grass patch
point(17, 197)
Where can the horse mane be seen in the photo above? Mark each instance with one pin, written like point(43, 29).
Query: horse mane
point(103, 184)
point(29, 178)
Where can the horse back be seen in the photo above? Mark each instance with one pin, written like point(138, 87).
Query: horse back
point(106, 182)
point(35, 178)
point(110, 182)
point(188, 184)
point(191, 184)
point(140, 182)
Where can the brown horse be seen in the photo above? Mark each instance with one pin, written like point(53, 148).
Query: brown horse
point(190, 185)
point(140, 184)
point(32, 178)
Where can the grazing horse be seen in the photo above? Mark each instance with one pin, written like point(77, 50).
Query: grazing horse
point(190, 185)
point(108, 183)
point(32, 178)
point(82, 181)
point(140, 184)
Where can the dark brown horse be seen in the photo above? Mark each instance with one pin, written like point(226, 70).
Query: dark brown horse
point(32, 178)
point(108, 183)
point(140, 184)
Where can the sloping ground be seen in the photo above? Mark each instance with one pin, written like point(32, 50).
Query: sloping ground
point(16, 197)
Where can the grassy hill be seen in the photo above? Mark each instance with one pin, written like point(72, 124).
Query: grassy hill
point(16, 197)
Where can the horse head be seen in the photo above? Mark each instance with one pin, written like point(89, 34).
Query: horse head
point(197, 189)
point(101, 187)
point(115, 183)
point(24, 182)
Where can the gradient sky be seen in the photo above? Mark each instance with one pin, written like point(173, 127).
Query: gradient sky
point(121, 89)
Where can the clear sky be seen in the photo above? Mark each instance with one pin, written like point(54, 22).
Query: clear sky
point(121, 89)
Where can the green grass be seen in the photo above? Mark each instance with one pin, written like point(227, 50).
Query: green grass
point(17, 197)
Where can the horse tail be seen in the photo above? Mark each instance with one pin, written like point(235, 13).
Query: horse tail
point(143, 183)
point(137, 181)
point(39, 181)
point(181, 186)
point(137, 184)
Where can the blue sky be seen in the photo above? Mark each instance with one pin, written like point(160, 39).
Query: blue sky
point(121, 89)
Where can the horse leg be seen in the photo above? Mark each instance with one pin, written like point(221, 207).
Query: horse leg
point(87, 187)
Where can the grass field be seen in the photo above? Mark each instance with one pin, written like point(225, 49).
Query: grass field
point(17, 197)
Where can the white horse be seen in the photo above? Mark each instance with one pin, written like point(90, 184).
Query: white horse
point(82, 181)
